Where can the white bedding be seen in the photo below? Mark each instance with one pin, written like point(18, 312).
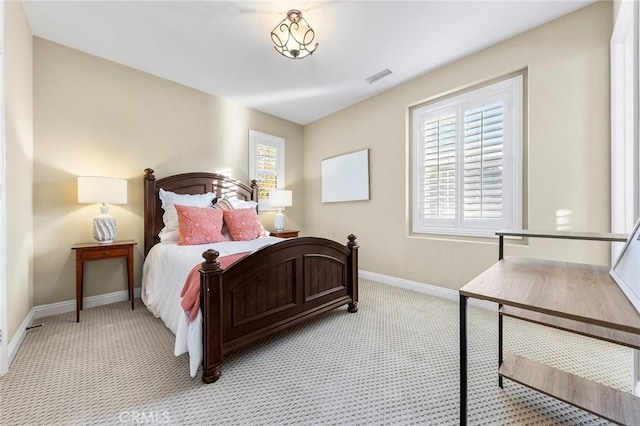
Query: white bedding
point(163, 275)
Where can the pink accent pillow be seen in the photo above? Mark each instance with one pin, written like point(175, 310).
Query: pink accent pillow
point(243, 224)
point(199, 225)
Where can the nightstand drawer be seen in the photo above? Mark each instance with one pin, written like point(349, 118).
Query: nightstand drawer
point(284, 234)
point(104, 253)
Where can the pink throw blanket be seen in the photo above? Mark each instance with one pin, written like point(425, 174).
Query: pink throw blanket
point(190, 293)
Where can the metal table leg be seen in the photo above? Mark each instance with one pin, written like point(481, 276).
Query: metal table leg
point(499, 344)
point(463, 360)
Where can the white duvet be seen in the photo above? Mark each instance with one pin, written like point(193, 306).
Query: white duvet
point(163, 275)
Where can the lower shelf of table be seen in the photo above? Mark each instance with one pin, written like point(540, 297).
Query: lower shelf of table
point(603, 333)
point(604, 401)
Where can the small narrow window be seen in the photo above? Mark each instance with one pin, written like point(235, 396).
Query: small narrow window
point(467, 162)
point(266, 164)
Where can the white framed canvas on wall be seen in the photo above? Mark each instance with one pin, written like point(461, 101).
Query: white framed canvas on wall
point(346, 177)
point(626, 269)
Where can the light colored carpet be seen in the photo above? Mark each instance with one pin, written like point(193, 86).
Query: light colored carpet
point(396, 362)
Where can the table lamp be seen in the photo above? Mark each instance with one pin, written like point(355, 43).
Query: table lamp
point(102, 190)
point(280, 198)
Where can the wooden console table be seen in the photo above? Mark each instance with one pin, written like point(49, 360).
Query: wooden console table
point(579, 298)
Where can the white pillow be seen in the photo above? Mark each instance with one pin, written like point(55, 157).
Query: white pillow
point(169, 236)
point(242, 204)
point(170, 216)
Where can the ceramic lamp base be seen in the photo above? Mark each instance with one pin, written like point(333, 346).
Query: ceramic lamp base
point(278, 221)
point(104, 228)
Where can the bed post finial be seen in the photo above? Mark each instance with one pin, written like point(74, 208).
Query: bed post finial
point(352, 240)
point(210, 260)
point(148, 174)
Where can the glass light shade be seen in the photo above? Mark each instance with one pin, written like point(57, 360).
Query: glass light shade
point(280, 198)
point(293, 37)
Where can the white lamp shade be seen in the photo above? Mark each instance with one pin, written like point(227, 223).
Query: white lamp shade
point(102, 190)
point(280, 198)
point(94, 190)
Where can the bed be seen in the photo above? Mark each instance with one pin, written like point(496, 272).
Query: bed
point(274, 287)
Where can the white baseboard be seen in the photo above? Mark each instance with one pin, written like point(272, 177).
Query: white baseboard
point(635, 382)
point(4, 362)
point(18, 338)
point(42, 311)
point(433, 290)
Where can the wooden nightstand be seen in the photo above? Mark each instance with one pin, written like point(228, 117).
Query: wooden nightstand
point(86, 252)
point(284, 234)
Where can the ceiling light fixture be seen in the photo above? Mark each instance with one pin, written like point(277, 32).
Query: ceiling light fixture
point(293, 37)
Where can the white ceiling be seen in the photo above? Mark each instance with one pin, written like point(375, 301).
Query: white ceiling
point(224, 47)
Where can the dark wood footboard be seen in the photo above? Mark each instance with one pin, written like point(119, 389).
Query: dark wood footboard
point(272, 289)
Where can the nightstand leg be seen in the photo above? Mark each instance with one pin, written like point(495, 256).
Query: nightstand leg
point(130, 274)
point(79, 277)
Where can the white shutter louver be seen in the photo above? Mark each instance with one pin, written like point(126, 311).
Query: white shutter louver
point(440, 168)
point(483, 162)
point(266, 165)
point(267, 170)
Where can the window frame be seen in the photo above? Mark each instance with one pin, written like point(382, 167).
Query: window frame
point(510, 90)
point(258, 138)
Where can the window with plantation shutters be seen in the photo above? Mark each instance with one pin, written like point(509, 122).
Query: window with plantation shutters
point(266, 164)
point(467, 162)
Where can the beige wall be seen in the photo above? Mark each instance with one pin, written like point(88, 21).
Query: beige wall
point(19, 164)
point(567, 63)
point(616, 8)
point(95, 117)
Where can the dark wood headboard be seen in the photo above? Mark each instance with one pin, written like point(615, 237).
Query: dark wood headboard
point(186, 183)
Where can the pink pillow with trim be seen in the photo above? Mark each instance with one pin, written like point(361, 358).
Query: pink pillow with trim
point(243, 224)
point(199, 225)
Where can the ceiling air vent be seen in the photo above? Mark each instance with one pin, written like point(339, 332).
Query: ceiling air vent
point(385, 72)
